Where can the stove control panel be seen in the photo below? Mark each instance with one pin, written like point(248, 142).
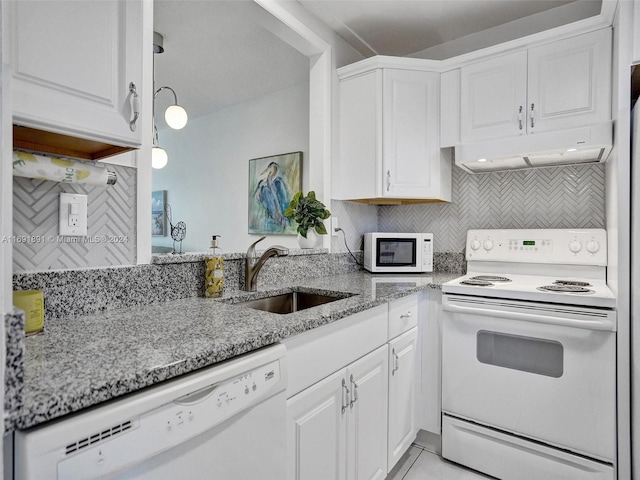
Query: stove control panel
point(558, 246)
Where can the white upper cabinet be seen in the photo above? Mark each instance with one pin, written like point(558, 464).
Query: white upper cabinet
point(494, 98)
point(389, 138)
point(73, 64)
point(570, 83)
point(563, 84)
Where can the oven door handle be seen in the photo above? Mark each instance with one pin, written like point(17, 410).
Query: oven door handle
point(605, 324)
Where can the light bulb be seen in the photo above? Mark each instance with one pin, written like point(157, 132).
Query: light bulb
point(159, 157)
point(176, 116)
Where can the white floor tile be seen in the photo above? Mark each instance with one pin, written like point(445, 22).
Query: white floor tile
point(430, 466)
point(405, 463)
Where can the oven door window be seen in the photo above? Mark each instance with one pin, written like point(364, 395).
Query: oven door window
point(527, 354)
point(396, 252)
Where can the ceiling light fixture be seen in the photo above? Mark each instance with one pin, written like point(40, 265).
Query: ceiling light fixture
point(482, 159)
point(572, 150)
point(175, 115)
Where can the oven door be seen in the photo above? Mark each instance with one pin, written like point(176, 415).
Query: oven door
point(542, 371)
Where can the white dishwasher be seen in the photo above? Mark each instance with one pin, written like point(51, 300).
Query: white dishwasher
point(225, 422)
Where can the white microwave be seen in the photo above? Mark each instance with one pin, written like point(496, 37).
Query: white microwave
point(398, 252)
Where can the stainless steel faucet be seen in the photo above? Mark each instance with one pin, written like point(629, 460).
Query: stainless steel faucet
point(253, 265)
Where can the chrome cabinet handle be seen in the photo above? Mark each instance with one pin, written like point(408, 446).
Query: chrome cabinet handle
point(520, 117)
point(406, 315)
point(388, 180)
point(533, 106)
point(354, 390)
point(396, 362)
point(135, 106)
point(345, 396)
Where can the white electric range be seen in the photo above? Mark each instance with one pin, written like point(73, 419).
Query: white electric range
point(529, 352)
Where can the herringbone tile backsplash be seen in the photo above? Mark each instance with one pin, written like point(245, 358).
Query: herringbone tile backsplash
point(111, 221)
point(561, 197)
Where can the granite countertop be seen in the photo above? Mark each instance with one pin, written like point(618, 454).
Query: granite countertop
point(81, 361)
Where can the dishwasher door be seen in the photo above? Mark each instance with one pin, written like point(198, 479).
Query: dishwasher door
point(225, 422)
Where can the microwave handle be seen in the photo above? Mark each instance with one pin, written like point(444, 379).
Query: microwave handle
point(604, 324)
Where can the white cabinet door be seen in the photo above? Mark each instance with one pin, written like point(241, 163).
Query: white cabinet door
point(402, 393)
point(316, 431)
point(367, 417)
point(493, 98)
point(72, 65)
point(570, 82)
point(411, 134)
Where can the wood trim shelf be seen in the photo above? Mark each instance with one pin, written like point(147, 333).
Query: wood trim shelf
point(40, 141)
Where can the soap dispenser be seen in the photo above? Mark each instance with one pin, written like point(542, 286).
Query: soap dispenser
point(214, 270)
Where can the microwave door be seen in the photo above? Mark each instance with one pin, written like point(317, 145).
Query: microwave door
point(396, 252)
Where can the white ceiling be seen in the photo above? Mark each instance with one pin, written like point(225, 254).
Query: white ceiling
point(405, 27)
point(218, 52)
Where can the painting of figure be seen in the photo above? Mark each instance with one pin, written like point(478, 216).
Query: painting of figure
point(272, 182)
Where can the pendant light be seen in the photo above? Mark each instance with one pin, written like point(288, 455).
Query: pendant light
point(175, 115)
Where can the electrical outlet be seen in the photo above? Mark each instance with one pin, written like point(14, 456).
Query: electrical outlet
point(72, 215)
point(334, 226)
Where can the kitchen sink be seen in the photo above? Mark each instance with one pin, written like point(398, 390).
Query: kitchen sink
point(291, 302)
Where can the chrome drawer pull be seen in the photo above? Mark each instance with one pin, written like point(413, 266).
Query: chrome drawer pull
point(135, 106)
point(532, 107)
point(396, 362)
point(406, 315)
point(354, 389)
point(345, 396)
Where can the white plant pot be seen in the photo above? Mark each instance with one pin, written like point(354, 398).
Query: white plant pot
point(310, 241)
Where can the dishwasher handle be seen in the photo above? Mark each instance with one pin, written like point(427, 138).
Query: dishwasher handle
point(198, 396)
point(602, 324)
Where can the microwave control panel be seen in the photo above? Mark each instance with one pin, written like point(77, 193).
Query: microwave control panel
point(427, 252)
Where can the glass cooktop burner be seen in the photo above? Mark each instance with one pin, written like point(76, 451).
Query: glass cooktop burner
point(565, 289)
point(573, 283)
point(490, 278)
point(476, 283)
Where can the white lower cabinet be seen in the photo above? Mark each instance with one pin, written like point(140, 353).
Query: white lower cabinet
point(352, 389)
point(402, 394)
point(317, 431)
point(337, 428)
point(430, 363)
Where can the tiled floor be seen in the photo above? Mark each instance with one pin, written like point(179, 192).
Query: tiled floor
point(419, 464)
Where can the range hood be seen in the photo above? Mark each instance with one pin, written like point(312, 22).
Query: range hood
point(581, 145)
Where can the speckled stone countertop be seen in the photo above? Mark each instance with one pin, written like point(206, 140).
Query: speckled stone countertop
point(82, 361)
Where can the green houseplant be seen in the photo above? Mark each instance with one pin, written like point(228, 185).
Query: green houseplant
point(308, 212)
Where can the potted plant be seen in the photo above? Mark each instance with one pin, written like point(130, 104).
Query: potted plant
point(309, 213)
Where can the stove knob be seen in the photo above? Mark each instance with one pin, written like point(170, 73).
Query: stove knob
point(575, 246)
point(593, 246)
point(488, 245)
point(475, 244)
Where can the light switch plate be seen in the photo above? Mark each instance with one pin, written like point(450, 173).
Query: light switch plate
point(73, 215)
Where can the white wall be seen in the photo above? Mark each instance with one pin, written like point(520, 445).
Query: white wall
point(207, 175)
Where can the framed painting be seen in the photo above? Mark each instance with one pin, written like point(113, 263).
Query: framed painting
point(158, 216)
point(272, 183)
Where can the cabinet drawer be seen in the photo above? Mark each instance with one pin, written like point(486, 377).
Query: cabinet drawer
point(403, 315)
point(318, 353)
